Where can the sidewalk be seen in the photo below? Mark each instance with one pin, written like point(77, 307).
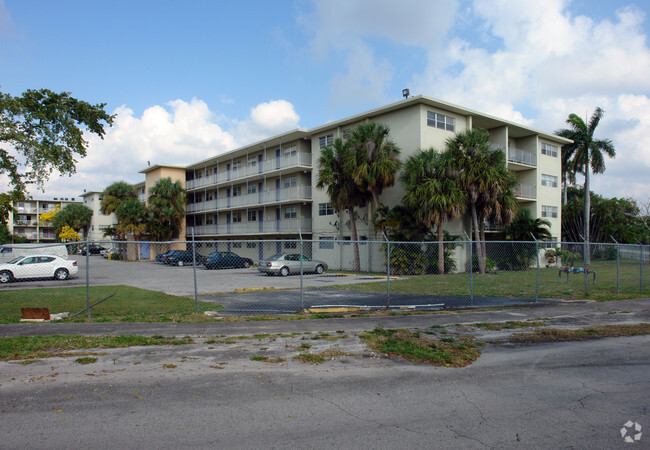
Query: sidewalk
point(578, 313)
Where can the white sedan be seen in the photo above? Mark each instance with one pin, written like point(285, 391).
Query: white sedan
point(37, 266)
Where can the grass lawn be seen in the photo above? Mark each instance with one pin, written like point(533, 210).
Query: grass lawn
point(521, 284)
point(128, 305)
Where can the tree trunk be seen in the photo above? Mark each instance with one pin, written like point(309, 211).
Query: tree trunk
point(353, 229)
point(586, 215)
point(483, 245)
point(441, 250)
point(477, 239)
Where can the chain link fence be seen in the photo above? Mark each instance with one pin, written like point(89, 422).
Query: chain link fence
point(135, 281)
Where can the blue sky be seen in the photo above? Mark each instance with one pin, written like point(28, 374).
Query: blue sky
point(192, 79)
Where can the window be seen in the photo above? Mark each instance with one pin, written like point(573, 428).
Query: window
point(326, 243)
point(549, 150)
point(441, 121)
point(236, 166)
point(346, 133)
point(290, 244)
point(251, 244)
point(251, 189)
point(236, 217)
point(290, 151)
point(324, 141)
point(549, 211)
point(290, 212)
point(324, 209)
point(236, 244)
point(552, 243)
point(549, 180)
point(289, 182)
point(236, 191)
point(252, 162)
point(252, 216)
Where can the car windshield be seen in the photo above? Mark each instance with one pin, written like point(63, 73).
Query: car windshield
point(15, 260)
point(274, 257)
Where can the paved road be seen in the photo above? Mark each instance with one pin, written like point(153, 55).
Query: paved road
point(212, 395)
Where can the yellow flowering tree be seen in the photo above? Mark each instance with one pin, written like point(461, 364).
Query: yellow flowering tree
point(47, 217)
point(68, 234)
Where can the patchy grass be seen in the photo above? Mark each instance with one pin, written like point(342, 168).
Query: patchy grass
point(33, 347)
point(412, 346)
point(309, 358)
point(86, 360)
point(267, 359)
point(594, 332)
point(509, 325)
point(169, 366)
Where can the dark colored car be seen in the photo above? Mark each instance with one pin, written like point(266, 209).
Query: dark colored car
point(180, 258)
point(222, 260)
point(161, 256)
point(94, 249)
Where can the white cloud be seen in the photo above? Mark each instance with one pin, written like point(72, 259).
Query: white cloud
point(178, 133)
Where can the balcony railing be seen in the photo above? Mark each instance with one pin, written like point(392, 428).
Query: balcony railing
point(270, 165)
point(268, 226)
point(526, 191)
point(256, 199)
point(520, 156)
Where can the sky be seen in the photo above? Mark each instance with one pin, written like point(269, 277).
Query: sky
point(190, 80)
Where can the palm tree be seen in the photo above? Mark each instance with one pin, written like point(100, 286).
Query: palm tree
point(131, 216)
point(167, 208)
point(524, 226)
point(585, 155)
point(376, 160)
point(115, 194)
point(433, 192)
point(341, 188)
point(482, 174)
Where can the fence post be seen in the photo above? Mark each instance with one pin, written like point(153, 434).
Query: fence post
point(641, 269)
point(471, 270)
point(87, 274)
point(196, 295)
point(537, 253)
point(302, 301)
point(617, 263)
point(387, 270)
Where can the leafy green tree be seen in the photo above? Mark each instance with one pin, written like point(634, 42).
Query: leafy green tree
point(40, 132)
point(376, 160)
point(131, 218)
point(7, 238)
point(433, 192)
point(483, 175)
point(166, 208)
point(115, 194)
point(585, 155)
point(341, 187)
point(523, 227)
point(74, 215)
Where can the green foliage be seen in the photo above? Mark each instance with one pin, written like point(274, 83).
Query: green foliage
point(6, 237)
point(75, 216)
point(42, 131)
point(115, 194)
point(131, 218)
point(524, 227)
point(166, 209)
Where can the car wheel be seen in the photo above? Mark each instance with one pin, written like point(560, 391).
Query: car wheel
point(246, 264)
point(5, 276)
point(180, 263)
point(319, 269)
point(61, 274)
point(284, 271)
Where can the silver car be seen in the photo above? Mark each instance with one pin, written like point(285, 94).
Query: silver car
point(284, 264)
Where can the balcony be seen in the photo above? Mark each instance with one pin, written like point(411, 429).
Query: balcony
point(523, 157)
point(270, 165)
point(287, 226)
point(271, 196)
point(526, 191)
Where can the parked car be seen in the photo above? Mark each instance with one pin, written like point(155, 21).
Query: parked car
point(37, 266)
point(94, 249)
point(180, 258)
point(222, 260)
point(160, 257)
point(284, 264)
point(106, 253)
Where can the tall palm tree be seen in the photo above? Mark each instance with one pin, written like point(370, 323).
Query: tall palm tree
point(433, 192)
point(376, 160)
point(585, 155)
point(167, 208)
point(131, 216)
point(482, 174)
point(341, 188)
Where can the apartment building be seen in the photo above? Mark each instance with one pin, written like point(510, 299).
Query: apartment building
point(266, 190)
point(25, 222)
point(100, 221)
